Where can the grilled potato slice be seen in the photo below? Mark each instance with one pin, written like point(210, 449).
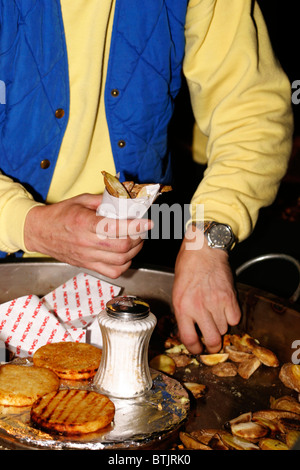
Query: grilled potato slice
point(287, 403)
point(128, 186)
point(173, 341)
point(248, 367)
point(224, 369)
point(236, 355)
point(113, 186)
point(287, 424)
point(237, 443)
point(182, 360)
point(239, 342)
point(268, 443)
point(191, 442)
point(213, 359)
point(198, 390)
point(226, 341)
point(163, 363)
point(177, 349)
point(291, 438)
point(243, 418)
point(165, 188)
point(205, 435)
point(268, 423)
point(267, 357)
point(275, 414)
point(290, 376)
point(128, 189)
point(216, 443)
point(250, 431)
point(139, 190)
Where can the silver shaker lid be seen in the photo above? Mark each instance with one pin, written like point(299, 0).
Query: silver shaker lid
point(127, 307)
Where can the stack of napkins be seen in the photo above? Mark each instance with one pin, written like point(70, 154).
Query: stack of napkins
point(68, 313)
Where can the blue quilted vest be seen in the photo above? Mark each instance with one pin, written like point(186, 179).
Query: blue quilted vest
point(143, 78)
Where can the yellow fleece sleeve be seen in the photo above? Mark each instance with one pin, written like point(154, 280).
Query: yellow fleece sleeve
point(241, 101)
point(15, 202)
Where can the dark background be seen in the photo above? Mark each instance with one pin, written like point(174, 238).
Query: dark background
point(278, 227)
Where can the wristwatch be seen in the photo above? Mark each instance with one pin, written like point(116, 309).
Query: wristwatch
point(218, 235)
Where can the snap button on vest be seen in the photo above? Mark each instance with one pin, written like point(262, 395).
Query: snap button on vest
point(59, 113)
point(114, 92)
point(45, 164)
point(121, 143)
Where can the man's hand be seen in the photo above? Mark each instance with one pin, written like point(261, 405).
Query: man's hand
point(203, 294)
point(71, 232)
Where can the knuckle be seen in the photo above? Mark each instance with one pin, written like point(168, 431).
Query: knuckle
point(116, 271)
point(178, 299)
point(120, 259)
point(77, 219)
point(188, 340)
point(124, 245)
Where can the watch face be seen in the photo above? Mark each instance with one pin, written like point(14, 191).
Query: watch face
point(220, 236)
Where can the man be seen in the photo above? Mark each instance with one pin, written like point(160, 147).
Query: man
point(90, 85)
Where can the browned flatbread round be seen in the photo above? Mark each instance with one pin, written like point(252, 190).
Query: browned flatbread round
point(72, 412)
point(69, 360)
point(23, 385)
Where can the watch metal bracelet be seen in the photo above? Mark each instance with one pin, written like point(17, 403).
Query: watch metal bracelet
point(215, 234)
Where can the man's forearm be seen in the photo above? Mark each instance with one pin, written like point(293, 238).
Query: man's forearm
point(15, 203)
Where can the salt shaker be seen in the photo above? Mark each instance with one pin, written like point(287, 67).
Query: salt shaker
point(126, 326)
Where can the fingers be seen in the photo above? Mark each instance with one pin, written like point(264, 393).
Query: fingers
point(208, 327)
point(204, 299)
point(115, 253)
point(202, 327)
point(114, 244)
point(233, 314)
point(215, 322)
point(188, 334)
point(112, 256)
point(112, 228)
point(71, 232)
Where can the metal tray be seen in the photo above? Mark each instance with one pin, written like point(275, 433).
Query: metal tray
point(139, 423)
point(273, 321)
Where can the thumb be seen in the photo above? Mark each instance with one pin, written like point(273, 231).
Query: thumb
point(91, 201)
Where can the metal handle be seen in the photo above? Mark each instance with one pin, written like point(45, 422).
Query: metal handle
point(280, 256)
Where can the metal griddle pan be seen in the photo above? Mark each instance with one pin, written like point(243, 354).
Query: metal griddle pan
point(273, 321)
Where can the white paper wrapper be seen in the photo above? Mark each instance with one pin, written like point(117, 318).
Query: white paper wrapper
point(122, 208)
point(68, 313)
